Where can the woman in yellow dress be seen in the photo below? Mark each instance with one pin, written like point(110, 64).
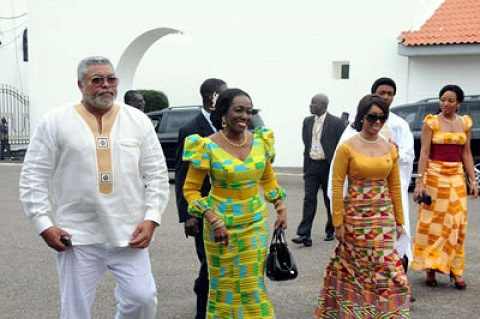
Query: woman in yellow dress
point(365, 277)
point(442, 226)
point(235, 224)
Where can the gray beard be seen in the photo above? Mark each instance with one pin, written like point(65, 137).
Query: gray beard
point(98, 103)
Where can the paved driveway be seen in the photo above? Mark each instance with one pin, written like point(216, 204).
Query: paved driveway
point(29, 284)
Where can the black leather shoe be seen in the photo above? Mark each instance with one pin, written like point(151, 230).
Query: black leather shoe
point(306, 241)
point(329, 237)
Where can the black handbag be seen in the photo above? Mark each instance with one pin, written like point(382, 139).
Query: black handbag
point(280, 263)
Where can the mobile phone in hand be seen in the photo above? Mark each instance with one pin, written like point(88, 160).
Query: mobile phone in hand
point(425, 198)
point(66, 240)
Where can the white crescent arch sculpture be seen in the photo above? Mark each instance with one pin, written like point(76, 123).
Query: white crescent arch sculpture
point(130, 59)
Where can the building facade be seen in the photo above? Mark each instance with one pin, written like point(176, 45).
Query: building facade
point(281, 52)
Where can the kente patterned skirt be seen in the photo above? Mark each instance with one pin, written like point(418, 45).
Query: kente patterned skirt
point(365, 277)
point(442, 226)
point(237, 286)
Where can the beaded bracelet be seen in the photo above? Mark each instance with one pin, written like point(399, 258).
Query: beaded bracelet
point(216, 223)
point(419, 181)
point(419, 178)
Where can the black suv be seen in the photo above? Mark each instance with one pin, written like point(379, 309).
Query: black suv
point(167, 122)
point(414, 113)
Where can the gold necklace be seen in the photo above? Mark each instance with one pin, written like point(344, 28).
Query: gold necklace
point(235, 144)
point(364, 140)
point(452, 122)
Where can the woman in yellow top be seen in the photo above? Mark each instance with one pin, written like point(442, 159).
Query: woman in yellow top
point(235, 224)
point(440, 236)
point(365, 277)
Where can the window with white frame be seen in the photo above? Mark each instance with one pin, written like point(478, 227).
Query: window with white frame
point(341, 70)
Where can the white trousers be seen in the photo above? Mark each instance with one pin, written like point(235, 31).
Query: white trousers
point(81, 267)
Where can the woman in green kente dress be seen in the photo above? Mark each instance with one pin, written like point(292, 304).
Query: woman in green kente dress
point(235, 224)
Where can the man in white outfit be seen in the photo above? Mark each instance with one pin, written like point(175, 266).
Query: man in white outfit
point(398, 132)
point(98, 168)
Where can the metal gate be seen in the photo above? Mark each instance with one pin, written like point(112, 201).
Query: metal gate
point(14, 107)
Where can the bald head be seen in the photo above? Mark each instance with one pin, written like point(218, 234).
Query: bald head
point(319, 104)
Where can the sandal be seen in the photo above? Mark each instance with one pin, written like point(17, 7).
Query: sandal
point(459, 284)
point(431, 281)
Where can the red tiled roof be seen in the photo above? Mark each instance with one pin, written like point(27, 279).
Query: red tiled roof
point(454, 22)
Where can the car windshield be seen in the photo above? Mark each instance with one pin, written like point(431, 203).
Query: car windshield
point(177, 119)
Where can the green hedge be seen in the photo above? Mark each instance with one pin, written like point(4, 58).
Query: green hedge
point(154, 100)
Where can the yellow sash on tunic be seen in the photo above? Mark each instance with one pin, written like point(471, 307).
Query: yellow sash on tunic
point(103, 144)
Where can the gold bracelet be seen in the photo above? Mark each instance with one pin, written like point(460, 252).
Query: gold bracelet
point(218, 224)
point(214, 220)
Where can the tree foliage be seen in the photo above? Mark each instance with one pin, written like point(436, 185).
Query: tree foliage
point(154, 100)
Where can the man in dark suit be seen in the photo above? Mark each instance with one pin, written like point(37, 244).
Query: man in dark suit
point(193, 226)
point(321, 133)
point(135, 99)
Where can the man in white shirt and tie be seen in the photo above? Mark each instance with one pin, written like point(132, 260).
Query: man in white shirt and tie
point(320, 133)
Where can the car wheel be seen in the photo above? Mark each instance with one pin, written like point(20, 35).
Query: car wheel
point(476, 168)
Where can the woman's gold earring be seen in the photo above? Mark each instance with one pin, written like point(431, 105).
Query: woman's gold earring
point(224, 123)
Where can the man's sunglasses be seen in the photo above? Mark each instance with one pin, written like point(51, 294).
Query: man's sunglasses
point(98, 80)
point(372, 118)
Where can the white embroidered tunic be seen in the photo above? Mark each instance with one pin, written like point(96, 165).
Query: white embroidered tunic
point(98, 185)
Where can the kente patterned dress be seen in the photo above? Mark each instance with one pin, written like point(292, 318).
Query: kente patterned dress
point(236, 271)
point(442, 226)
point(365, 277)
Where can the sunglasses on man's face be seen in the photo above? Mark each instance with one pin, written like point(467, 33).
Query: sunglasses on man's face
point(372, 118)
point(98, 80)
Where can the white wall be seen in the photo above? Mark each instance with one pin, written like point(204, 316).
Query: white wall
point(281, 52)
point(461, 70)
point(13, 71)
